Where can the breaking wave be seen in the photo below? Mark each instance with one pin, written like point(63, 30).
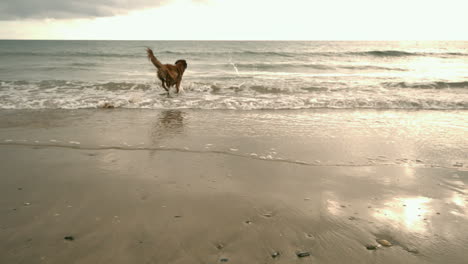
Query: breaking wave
point(428, 85)
point(60, 94)
point(294, 66)
point(373, 53)
point(141, 53)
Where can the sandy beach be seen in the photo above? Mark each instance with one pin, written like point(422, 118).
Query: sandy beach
point(194, 186)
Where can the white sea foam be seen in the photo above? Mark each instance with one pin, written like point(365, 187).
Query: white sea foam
point(252, 97)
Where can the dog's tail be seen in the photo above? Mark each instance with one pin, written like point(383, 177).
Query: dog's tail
point(153, 59)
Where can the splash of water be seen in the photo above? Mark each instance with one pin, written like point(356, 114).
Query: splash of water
point(237, 71)
point(234, 66)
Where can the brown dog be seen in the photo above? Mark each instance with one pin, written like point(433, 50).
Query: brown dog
point(169, 75)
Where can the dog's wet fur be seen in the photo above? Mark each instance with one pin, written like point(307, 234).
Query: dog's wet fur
point(169, 74)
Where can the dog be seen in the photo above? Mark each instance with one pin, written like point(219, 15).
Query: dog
point(169, 75)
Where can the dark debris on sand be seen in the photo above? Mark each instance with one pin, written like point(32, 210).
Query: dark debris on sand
point(371, 247)
point(275, 254)
point(69, 238)
point(303, 254)
point(219, 246)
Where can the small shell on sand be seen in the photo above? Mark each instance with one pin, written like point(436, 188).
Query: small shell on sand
point(384, 242)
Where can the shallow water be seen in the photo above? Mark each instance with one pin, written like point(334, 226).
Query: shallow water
point(235, 75)
point(333, 137)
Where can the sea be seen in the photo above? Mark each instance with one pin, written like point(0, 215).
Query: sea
point(238, 75)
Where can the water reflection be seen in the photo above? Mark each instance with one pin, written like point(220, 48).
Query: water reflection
point(411, 213)
point(169, 124)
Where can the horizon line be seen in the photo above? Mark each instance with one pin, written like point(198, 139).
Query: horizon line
point(292, 40)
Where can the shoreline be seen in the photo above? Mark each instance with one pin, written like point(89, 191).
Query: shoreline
point(413, 163)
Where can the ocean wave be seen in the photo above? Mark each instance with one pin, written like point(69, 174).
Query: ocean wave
point(264, 88)
point(71, 54)
point(400, 53)
point(217, 53)
point(61, 94)
point(231, 103)
point(73, 85)
point(143, 54)
point(372, 53)
point(389, 53)
point(298, 65)
point(427, 85)
point(83, 64)
point(136, 54)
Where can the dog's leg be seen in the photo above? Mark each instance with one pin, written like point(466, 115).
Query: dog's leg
point(178, 86)
point(164, 86)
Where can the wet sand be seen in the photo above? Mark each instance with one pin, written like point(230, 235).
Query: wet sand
point(135, 186)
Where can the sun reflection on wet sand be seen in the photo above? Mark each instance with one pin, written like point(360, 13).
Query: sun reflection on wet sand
point(333, 207)
point(410, 213)
point(458, 199)
point(460, 202)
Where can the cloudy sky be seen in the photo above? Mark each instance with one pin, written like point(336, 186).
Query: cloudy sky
point(234, 19)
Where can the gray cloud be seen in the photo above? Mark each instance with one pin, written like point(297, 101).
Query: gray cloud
point(62, 9)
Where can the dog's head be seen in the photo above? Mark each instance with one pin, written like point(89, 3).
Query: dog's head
point(183, 63)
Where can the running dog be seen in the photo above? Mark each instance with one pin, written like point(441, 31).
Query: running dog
point(169, 74)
